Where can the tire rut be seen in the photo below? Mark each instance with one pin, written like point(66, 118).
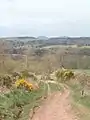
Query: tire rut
point(56, 107)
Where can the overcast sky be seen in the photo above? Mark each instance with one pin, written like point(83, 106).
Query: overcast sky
point(45, 17)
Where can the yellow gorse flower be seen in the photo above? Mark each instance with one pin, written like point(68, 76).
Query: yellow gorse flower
point(19, 82)
point(24, 83)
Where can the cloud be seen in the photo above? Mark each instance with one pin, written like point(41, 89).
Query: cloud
point(47, 17)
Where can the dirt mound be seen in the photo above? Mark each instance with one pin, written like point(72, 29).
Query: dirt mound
point(56, 107)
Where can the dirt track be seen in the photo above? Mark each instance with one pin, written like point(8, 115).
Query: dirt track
point(56, 107)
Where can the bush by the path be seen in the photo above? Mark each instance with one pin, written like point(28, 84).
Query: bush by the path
point(64, 75)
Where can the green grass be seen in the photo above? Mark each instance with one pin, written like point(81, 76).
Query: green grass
point(85, 47)
point(76, 94)
point(60, 46)
point(80, 104)
point(55, 87)
point(87, 71)
point(11, 103)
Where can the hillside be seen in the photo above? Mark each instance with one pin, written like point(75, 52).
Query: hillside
point(30, 76)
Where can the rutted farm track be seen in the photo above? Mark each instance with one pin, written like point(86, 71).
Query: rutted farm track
point(55, 107)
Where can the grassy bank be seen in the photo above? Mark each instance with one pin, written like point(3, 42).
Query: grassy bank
point(80, 104)
point(17, 104)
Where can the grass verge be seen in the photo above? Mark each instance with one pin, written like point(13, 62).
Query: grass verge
point(16, 105)
point(81, 105)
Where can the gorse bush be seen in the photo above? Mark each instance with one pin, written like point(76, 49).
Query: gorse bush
point(64, 75)
point(16, 104)
point(21, 83)
point(6, 80)
point(9, 80)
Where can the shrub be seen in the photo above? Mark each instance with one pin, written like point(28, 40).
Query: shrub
point(27, 74)
point(16, 102)
point(23, 84)
point(64, 74)
point(6, 80)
